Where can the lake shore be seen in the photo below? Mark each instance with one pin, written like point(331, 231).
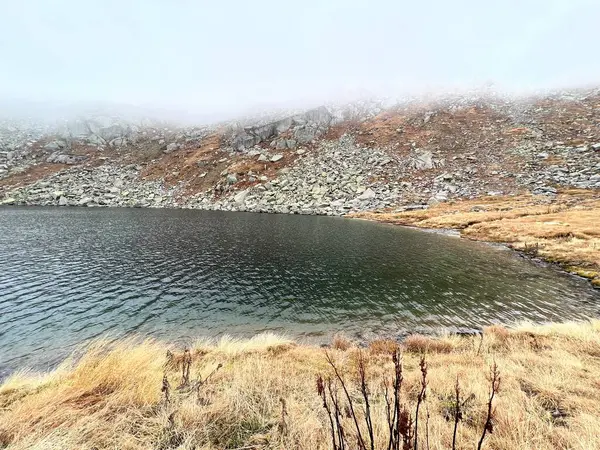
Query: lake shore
point(561, 230)
point(133, 394)
point(460, 164)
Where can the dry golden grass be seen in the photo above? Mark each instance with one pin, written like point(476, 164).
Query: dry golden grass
point(564, 230)
point(383, 346)
point(111, 398)
point(417, 343)
point(341, 342)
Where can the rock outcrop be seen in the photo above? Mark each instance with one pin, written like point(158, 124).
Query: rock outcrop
point(284, 133)
point(313, 162)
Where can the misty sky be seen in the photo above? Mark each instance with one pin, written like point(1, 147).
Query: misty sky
point(231, 55)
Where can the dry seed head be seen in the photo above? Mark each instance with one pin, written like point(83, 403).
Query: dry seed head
point(320, 386)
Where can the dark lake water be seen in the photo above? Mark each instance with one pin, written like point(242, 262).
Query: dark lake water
point(69, 274)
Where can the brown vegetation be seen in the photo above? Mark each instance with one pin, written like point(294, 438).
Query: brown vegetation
point(198, 168)
point(31, 175)
point(260, 394)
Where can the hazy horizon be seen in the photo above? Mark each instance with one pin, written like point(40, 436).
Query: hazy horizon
point(222, 59)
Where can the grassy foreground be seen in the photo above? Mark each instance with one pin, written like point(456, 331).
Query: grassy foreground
point(261, 393)
point(562, 230)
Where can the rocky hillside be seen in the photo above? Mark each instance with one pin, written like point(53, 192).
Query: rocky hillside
point(328, 160)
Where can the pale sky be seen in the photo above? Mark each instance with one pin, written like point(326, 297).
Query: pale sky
point(228, 55)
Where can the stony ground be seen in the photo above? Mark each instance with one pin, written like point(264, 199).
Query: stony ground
point(323, 161)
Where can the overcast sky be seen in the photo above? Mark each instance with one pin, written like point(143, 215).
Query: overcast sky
point(230, 55)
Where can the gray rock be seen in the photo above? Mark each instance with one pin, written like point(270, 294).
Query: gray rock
point(96, 140)
point(243, 141)
point(276, 158)
point(321, 116)
point(171, 147)
point(58, 158)
point(283, 125)
point(240, 197)
point(439, 197)
point(306, 125)
point(421, 160)
point(368, 194)
point(118, 142)
point(305, 135)
point(55, 145)
point(110, 132)
point(231, 179)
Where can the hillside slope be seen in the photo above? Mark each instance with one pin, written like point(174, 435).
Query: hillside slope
point(318, 162)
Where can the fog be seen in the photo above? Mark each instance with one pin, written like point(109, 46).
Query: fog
point(229, 57)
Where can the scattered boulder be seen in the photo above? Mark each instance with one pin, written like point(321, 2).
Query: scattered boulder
point(96, 140)
point(421, 160)
point(171, 147)
point(439, 197)
point(55, 145)
point(240, 197)
point(368, 194)
point(59, 158)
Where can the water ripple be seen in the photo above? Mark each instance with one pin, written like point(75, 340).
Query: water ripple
point(67, 275)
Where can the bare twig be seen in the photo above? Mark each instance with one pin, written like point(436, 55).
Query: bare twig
point(398, 378)
point(362, 371)
point(420, 398)
point(186, 364)
point(283, 426)
point(196, 385)
point(457, 412)
point(391, 420)
point(323, 395)
point(361, 441)
point(405, 429)
point(427, 429)
point(480, 344)
point(494, 388)
point(166, 389)
point(338, 415)
point(212, 373)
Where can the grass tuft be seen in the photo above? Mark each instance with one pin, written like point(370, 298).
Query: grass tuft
point(260, 393)
point(420, 344)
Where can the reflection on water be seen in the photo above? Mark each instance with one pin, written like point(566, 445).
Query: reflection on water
point(67, 275)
